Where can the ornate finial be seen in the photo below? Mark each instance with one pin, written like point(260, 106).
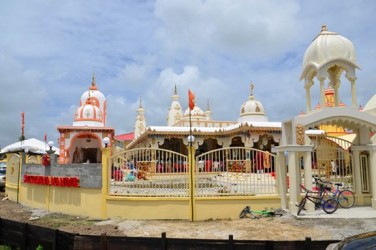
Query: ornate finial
point(175, 90)
point(252, 87)
point(93, 80)
point(140, 102)
point(93, 84)
point(207, 105)
point(323, 28)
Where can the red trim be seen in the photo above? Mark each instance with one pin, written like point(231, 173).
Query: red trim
point(125, 137)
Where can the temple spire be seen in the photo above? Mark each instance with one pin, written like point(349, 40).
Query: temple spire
point(175, 90)
point(252, 87)
point(140, 106)
point(93, 83)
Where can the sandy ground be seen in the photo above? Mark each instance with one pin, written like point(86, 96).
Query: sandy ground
point(286, 227)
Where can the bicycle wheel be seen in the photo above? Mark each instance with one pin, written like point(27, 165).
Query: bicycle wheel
point(330, 206)
point(346, 198)
point(301, 205)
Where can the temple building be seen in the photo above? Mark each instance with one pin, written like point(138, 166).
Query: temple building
point(82, 141)
point(252, 129)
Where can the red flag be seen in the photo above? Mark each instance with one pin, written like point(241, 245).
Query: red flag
point(191, 98)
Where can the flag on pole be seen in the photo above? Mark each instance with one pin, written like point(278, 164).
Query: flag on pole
point(191, 98)
point(45, 137)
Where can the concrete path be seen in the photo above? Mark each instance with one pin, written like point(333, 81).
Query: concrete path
point(354, 212)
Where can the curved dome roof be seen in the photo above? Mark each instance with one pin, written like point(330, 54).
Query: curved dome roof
point(88, 114)
point(196, 112)
point(252, 110)
point(95, 94)
point(328, 46)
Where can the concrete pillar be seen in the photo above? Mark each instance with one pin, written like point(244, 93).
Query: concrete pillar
point(356, 172)
point(336, 96)
point(322, 91)
point(294, 181)
point(307, 159)
point(353, 92)
point(308, 97)
point(372, 174)
point(281, 178)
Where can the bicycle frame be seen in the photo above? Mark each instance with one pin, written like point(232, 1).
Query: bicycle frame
point(328, 205)
point(311, 196)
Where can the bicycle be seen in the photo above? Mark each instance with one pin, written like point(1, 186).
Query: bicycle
point(344, 197)
point(328, 205)
point(261, 213)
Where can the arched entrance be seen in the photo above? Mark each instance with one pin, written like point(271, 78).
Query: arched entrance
point(299, 155)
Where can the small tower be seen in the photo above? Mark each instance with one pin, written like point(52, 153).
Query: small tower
point(208, 112)
point(175, 112)
point(140, 125)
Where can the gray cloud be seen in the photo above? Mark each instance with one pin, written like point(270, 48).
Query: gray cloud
point(49, 50)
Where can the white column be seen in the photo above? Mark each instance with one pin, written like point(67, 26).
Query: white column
point(307, 170)
point(336, 96)
point(322, 91)
point(372, 173)
point(356, 170)
point(308, 96)
point(308, 178)
point(293, 179)
point(353, 92)
point(281, 178)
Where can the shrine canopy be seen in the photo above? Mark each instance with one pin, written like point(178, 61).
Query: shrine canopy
point(31, 145)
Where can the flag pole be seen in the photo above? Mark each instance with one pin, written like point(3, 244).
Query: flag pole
point(191, 105)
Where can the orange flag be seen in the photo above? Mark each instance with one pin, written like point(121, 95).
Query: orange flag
point(191, 98)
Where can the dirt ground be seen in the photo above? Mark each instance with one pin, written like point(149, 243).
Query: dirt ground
point(286, 227)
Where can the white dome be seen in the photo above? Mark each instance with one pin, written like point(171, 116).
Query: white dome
point(88, 115)
point(329, 46)
point(95, 95)
point(252, 110)
point(196, 112)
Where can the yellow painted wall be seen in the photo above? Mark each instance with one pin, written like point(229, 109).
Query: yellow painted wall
point(230, 207)
point(148, 208)
point(11, 191)
point(74, 201)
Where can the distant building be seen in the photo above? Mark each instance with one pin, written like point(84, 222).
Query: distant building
point(82, 142)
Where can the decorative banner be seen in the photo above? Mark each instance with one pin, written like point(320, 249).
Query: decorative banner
point(57, 181)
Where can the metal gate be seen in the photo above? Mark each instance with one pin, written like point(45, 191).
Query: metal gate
point(233, 171)
point(333, 161)
point(149, 172)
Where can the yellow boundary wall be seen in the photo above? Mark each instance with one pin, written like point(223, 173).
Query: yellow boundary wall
point(89, 203)
point(96, 203)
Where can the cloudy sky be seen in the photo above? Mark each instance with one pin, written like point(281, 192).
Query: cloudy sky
point(49, 50)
